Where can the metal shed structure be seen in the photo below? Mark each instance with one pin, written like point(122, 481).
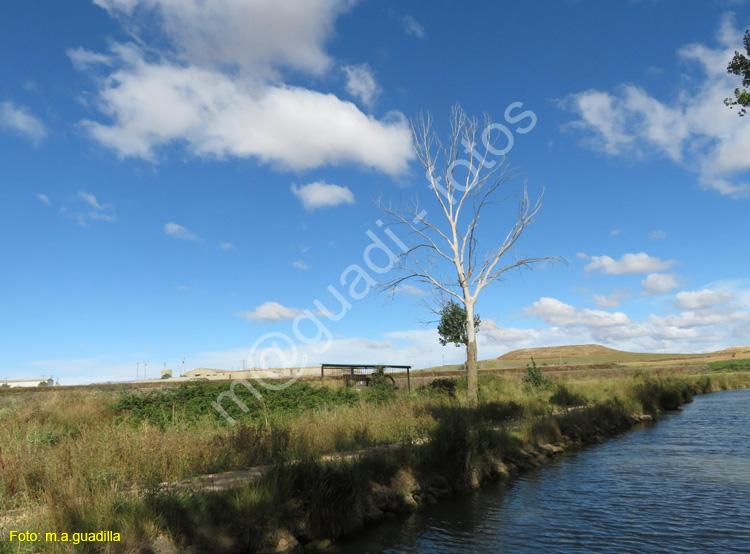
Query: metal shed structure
point(362, 373)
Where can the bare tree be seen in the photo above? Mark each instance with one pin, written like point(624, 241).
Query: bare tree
point(449, 238)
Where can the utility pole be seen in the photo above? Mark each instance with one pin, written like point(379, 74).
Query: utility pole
point(137, 370)
point(183, 367)
point(145, 365)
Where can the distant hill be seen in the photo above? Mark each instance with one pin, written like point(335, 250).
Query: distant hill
point(734, 349)
point(549, 352)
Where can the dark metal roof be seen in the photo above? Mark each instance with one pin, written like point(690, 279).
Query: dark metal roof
point(367, 365)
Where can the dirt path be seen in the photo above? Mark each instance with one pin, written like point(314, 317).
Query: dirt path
point(231, 479)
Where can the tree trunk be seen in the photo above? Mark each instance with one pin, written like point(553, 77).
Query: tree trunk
point(471, 356)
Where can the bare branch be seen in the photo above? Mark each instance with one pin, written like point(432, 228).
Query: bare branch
point(450, 240)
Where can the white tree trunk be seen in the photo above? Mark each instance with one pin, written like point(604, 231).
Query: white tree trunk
point(471, 354)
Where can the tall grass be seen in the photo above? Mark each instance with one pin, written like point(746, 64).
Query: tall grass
point(95, 460)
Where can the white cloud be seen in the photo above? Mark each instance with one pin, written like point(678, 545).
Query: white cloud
point(20, 120)
point(101, 216)
point(43, 198)
point(412, 26)
point(690, 319)
point(216, 115)
point(740, 288)
point(90, 199)
point(271, 311)
point(360, 83)
point(300, 264)
point(701, 299)
point(554, 312)
point(181, 288)
point(611, 300)
point(573, 326)
point(322, 195)
point(179, 232)
point(657, 235)
point(628, 264)
point(255, 37)
point(82, 59)
point(100, 212)
point(659, 283)
point(694, 130)
point(407, 288)
point(615, 232)
point(377, 345)
point(495, 334)
point(600, 318)
point(226, 245)
point(218, 92)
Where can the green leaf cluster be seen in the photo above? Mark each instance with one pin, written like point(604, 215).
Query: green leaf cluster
point(740, 65)
point(452, 326)
point(535, 377)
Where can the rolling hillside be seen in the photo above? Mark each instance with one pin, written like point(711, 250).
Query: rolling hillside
point(556, 352)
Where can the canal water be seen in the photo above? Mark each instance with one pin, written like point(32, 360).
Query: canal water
point(679, 485)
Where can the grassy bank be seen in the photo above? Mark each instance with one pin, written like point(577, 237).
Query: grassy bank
point(90, 462)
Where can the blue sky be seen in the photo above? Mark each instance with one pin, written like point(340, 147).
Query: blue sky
point(182, 178)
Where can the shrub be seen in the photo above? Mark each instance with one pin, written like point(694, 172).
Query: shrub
point(500, 412)
point(663, 395)
point(462, 443)
point(192, 401)
point(565, 398)
point(535, 377)
point(443, 385)
point(381, 387)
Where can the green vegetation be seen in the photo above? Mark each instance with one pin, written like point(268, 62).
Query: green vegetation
point(566, 398)
point(730, 365)
point(535, 377)
point(87, 461)
point(740, 65)
point(192, 402)
point(452, 325)
point(442, 385)
point(380, 389)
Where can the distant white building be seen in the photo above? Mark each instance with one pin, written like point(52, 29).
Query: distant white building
point(255, 373)
point(27, 383)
